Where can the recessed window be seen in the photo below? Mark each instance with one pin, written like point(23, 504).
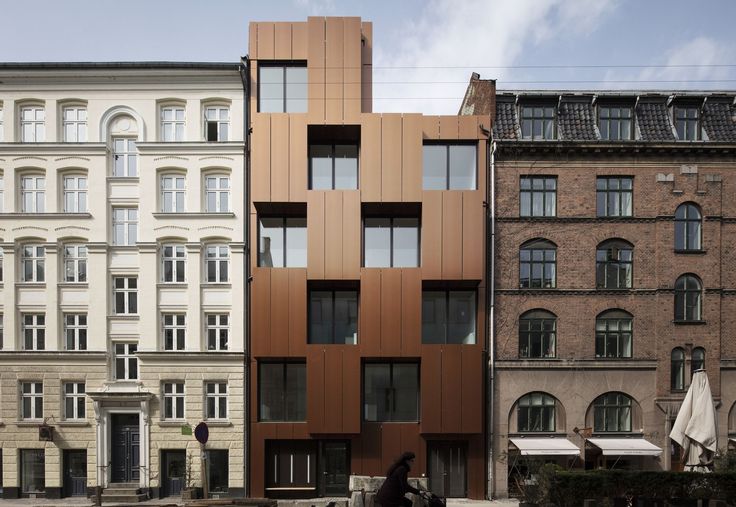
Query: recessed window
point(217, 331)
point(688, 228)
point(216, 123)
point(174, 331)
point(218, 466)
point(125, 295)
point(2, 190)
point(33, 471)
point(215, 400)
point(537, 335)
point(75, 263)
point(32, 124)
point(697, 361)
point(282, 88)
point(124, 226)
point(677, 369)
point(217, 263)
point(333, 317)
point(536, 413)
point(333, 166)
point(173, 192)
point(614, 335)
point(172, 123)
point(34, 331)
point(614, 265)
point(74, 124)
point(2, 331)
point(687, 123)
point(688, 294)
point(2, 123)
point(217, 193)
point(282, 391)
point(31, 400)
point(614, 123)
point(75, 194)
point(390, 392)
point(124, 157)
point(614, 196)
point(448, 316)
point(282, 242)
point(74, 400)
point(612, 413)
point(33, 194)
point(173, 398)
point(538, 265)
point(391, 242)
point(75, 331)
point(449, 167)
point(126, 361)
point(537, 122)
point(538, 196)
point(33, 260)
point(173, 264)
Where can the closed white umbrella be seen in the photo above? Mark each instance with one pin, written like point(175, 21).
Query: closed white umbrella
point(695, 426)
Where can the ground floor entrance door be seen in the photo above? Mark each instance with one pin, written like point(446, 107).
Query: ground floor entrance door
point(75, 472)
point(448, 468)
point(173, 471)
point(126, 448)
point(334, 468)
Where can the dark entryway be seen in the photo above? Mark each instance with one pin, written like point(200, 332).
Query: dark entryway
point(126, 448)
point(334, 468)
point(291, 468)
point(173, 471)
point(448, 468)
point(75, 472)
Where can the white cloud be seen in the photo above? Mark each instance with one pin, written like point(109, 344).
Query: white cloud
point(317, 7)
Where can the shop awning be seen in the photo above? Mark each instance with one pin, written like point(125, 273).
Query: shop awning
point(625, 447)
point(552, 446)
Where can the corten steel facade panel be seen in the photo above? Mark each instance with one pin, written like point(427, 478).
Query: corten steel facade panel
point(390, 179)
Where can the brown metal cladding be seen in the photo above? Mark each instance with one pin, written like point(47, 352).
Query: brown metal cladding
point(370, 158)
point(298, 158)
point(333, 235)
point(452, 232)
point(334, 63)
point(282, 41)
point(411, 158)
point(279, 158)
point(352, 48)
point(316, 70)
point(390, 157)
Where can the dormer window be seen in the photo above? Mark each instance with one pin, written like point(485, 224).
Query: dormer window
point(687, 123)
point(614, 122)
point(538, 122)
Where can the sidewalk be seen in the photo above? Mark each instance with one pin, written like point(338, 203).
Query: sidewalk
point(86, 502)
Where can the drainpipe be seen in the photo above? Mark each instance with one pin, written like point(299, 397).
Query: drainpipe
point(491, 297)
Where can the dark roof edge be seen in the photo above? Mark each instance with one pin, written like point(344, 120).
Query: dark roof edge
point(623, 92)
point(118, 65)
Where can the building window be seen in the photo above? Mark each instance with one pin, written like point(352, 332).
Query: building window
point(75, 263)
point(32, 124)
point(75, 331)
point(173, 263)
point(124, 157)
point(2, 329)
point(614, 123)
point(217, 193)
point(614, 196)
point(538, 196)
point(282, 88)
point(677, 369)
point(612, 413)
point(697, 360)
point(34, 331)
point(333, 317)
point(74, 398)
point(31, 400)
point(126, 361)
point(536, 413)
point(218, 470)
point(125, 226)
point(613, 334)
point(391, 242)
point(537, 122)
point(448, 316)
point(125, 295)
point(282, 242)
point(216, 400)
point(614, 265)
point(217, 263)
point(33, 471)
point(2, 258)
point(172, 123)
point(2, 187)
point(216, 123)
point(538, 265)
point(449, 167)
point(75, 194)
point(74, 124)
point(537, 335)
point(688, 228)
point(687, 123)
point(688, 293)
point(33, 194)
point(282, 391)
point(218, 331)
point(174, 331)
point(173, 397)
point(173, 193)
point(34, 263)
point(391, 392)
point(333, 166)
point(2, 130)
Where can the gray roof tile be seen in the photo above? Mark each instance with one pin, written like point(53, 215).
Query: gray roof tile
point(718, 121)
point(654, 121)
point(576, 121)
point(506, 125)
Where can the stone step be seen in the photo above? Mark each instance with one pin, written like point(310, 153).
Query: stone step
point(126, 498)
point(121, 491)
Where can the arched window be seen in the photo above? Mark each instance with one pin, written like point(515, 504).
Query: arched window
point(536, 412)
point(537, 334)
point(538, 264)
point(688, 295)
point(677, 367)
point(688, 227)
point(613, 264)
point(697, 361)
point(612, 412)
point(613, 334)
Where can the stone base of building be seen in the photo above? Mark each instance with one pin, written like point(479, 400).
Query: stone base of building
point(10, 493)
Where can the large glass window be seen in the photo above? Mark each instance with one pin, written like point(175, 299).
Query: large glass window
point(614, 196)
point(537, 122)
point(34, 331)
point(33, 471)
point(216, 123)
point(174, 331)
point(126, 361)
point(218, 470)
point(687, 123)
point(538, 265)
point(217, 330)
point(333, 317)
point(124, 157)
point(31, 400)
point(282, 391)
point(215, 400)
point(538, 335)
point(217, 263)
point(614, 123)
point(538, 196)
point(75, 331)
point(612, 413)
point(32, 124)
point(33, 260)
point(390, 392)
point(391, 242)
point(282, 88)
point(613, 334)
point(172, 123)
point(125, 295)
point(173, 194)
point(688, 294)
point(75, 263)
point(677, 369)
point(173, 398)
point(75, 194)
point(173, 263)
point(282, 242)
point(124, 226)
point(33, 194)
point(688, 227)
point(74, 124)
point(448, 316)
point(449, 167)
point(333, 166)
point(74, 400)
point(217, 193)
point(613, 265)
point(536, 413)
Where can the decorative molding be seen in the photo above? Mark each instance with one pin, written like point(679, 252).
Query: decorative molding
point(30, 227)
point(216, 157)
point(171, 227)
point(78, 227)
point(72, 158)
point(215, 228)
point(29, 157)
point(174, 157)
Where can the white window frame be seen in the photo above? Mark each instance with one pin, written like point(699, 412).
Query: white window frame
point(128, 357)
point(33, 255)
point(214, 326)
point(172, 395)
point(218, 396)
point(213, 257)
point(125, 147)
point(37, 327)
point(127, 222)
point(176, 260)
point(74, 394)
point(74, 124)
point(75, 324)
point(177, 195)
point(175, 325)
point(219, 193)
point(2, 124)
point(35, 393)
point(2, 179)
point(32, 193)
point(214, 114)
point(75, 193)
point(75, 263)
point(173, 123)
point(33, 126)
point(127, 291)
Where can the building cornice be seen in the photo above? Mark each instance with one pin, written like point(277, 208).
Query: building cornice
point(603, 149)
point(68, 357)
point(52, 149)
point(576, 364)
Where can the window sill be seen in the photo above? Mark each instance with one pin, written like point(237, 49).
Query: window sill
point(216, 285)
point(124, 179)
point(187, 214)
point(691, 252)
point(42, 216)
point(126, 316)
point(613, 359)
point(172, 423)
point(538, 289)
point(31, 285)
point(74, 424)
point(689, 322)
point(172, 285)
point(630, 434)
point(548, 358)
point(614, 217)
point(26, 423)
point(73, 285)
point(220, 423)
point(613, 289)
point(537, 217)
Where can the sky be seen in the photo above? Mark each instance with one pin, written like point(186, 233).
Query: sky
point(424, 50)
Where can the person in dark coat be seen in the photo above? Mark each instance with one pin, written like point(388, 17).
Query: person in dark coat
point(396, 486)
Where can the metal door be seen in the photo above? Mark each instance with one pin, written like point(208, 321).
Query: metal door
point(174, 470)
point(448, 469)
point(126, 448)
point(334, 467)
point(75, 472)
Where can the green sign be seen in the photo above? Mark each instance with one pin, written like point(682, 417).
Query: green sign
point(186, 430)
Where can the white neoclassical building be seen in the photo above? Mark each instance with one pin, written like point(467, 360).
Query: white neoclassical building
point(122, 192)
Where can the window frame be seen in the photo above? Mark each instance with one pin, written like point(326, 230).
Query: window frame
point(285, 219)
point(333, 325)
point(289, 398)
point(177, 195)
point(78, 126)
point(697, 359)
point(214, 343)
point(617, 120)
point(606, 265)
point(687, 128)
point(76, 194)
point(35, 403)
point(448, 294)
point(32, 199)
point(217, 261)
point(604, 334)
point(36, 340)
point(74, 398)
point(129, 295)
point(546, 193)
point(606, 193)
point(391, 246)
point(173, 331)
point(218, 192)
point(36, 261)
point(527, 402)
point(173, 401)
point(173, 265)
point(125, 361)
point(685, 239)
point(533, 246)
point(177, 125)
point(602, 403)
point(75, 262)
point(535, 322)
point(129, 152)
point(536, 119)
point(219, 122)
point(333, 162)
point(218, 397)
point(682, 303)
point(392, 397)
point(677, 369)
point(75, 330)
point(284, 65)
point(37, 134)
point(125, 225)
point(449, 166)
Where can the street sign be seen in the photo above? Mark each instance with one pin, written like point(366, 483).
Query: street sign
point(202, 433)
point(186, 430)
